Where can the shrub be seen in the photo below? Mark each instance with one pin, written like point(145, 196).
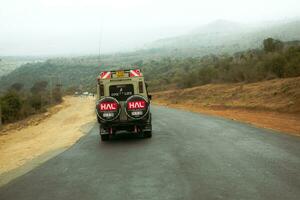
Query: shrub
point(11, 105)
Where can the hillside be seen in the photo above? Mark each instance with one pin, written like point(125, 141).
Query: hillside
point(75, 72)
point(10, 63)
point(273, 104)
point(221, 37)
point(59, 73)
point(221, 51)
point(276, 60)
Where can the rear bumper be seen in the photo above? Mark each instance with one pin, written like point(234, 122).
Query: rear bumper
point(129, 125)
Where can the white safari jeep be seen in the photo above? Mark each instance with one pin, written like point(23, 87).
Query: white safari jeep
point(123, 103)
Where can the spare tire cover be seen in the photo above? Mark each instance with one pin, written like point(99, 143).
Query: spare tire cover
point(137, 107)
point(108, 108)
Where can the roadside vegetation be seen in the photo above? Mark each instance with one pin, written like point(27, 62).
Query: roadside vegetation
point(276, 60)
point(17, 103)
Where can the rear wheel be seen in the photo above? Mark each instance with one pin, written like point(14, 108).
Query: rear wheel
point(104, 137)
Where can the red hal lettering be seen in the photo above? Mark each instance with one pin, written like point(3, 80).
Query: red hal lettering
point(136, 105)
point(105, 106)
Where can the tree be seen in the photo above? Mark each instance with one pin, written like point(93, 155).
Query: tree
point(39, 87)
point(36, 102)
point(271, 45)
point(10, 106)
point(57, 94)
point(38, 90)
point(17, 87)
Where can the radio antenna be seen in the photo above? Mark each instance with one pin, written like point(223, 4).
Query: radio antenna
point(100, 43)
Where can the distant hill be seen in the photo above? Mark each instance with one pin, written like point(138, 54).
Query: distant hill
point(221, 37)
point(70, 72)
point(10, 63)
point(59, 73)
point(170, 54)
point(220, 26)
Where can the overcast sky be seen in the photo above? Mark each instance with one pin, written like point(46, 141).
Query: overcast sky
point(53, 27)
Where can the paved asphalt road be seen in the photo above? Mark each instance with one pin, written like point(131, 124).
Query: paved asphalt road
point(190, 156)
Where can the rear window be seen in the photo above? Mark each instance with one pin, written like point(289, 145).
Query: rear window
point(121, 92)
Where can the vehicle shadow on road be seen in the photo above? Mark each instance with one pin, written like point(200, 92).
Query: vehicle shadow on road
point(126, 137)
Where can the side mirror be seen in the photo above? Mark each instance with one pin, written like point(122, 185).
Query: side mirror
point(150, 97)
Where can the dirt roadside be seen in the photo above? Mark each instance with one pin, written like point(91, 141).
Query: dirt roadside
point(19, 146)
point(273, 104)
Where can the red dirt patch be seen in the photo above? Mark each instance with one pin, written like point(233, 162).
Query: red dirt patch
point(271, 104)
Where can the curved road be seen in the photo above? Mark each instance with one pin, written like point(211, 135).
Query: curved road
point(190, 156)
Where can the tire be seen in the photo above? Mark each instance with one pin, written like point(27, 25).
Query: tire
point(104, 138)
point(148, 134)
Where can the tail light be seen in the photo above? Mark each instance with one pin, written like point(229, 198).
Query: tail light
point(101, 88)
point(141, 87)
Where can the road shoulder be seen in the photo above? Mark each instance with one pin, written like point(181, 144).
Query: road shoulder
point(282, 122)
point(23, 149)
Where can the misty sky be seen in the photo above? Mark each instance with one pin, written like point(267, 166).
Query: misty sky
point(55, 27)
